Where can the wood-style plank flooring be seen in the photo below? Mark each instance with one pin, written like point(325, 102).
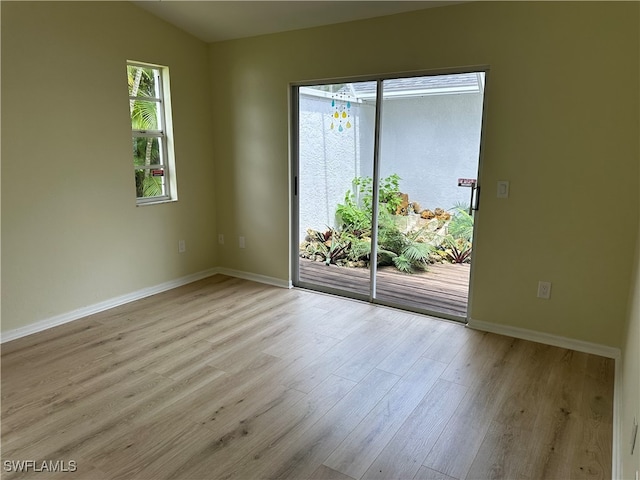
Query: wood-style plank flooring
point(229, 379)
point(443, 288)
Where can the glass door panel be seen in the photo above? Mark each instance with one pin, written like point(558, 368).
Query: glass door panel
point(429, 144)
point(335, 126)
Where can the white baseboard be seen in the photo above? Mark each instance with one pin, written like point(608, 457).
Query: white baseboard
point(102, 306)
point(130, 297)
point(546, 338)
point(254, 277)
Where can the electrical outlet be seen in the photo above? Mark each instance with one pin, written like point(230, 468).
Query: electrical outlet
point(181, 246)
point(544, 290)
point(241, 242)
point(221, 239)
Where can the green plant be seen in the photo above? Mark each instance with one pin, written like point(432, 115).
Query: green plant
point(356, 211)
point(339, 247)
point(403, 250)
point(351, 215)
point(352, 241)
point(360, 249)
point(388, 192)
point(461, 224)
point(458, 250)
point(331, 245)
point(457, 244)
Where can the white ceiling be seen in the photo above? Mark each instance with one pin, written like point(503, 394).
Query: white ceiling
point(212, 20)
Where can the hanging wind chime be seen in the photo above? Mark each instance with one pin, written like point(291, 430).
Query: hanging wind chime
point(341, 112)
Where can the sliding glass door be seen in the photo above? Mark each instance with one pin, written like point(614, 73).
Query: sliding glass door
point(428, 162)
point(385, 177)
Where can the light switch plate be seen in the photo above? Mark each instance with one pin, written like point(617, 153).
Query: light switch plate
point(503, 189)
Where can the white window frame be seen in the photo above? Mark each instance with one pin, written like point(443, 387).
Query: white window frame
point(164, 135)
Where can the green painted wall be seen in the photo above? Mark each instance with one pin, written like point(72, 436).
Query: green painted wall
point(72, 235)
point(562, 127)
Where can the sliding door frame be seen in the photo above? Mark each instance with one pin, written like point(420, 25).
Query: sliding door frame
point(294, 161)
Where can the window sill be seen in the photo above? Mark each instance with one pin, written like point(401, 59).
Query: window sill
point(156, 202)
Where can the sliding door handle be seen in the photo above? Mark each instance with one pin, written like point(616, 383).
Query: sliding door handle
point(475, 205)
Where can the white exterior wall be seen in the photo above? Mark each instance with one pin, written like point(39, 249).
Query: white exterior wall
point(428, 141)
point(329, 160)
point(431, 142)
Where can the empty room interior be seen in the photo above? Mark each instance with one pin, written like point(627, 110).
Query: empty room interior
point(154, 323)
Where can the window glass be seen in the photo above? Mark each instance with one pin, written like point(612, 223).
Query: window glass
point(148, 106)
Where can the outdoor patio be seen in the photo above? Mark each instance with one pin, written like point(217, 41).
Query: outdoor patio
point(443, 288)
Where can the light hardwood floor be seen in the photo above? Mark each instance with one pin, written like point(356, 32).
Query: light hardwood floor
point(229, 379)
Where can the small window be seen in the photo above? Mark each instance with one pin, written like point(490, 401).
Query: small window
point(151, 132)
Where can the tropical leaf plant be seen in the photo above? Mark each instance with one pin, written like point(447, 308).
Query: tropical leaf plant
point(403, 264)
point(339, 248)
point(403, 250)
point(360, 249)
point(461, 224)
point(407, 251)
point(458, 250)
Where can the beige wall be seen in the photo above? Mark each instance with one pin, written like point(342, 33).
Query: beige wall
point(630, 377)
point(562, 127)
point(72, 235)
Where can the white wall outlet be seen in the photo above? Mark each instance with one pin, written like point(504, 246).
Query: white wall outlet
point(241, 242)
point(221, 238)
point(181, 246)
point(503, 189)
point(544, 290)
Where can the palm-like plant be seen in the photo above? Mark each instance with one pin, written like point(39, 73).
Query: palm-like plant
point(461, 225)
point(403, 250)
point(457, 244)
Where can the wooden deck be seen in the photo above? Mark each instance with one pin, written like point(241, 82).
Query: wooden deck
point(443, 288)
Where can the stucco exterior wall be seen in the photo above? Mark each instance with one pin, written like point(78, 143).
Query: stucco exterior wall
point(431, 142)
point(428, 141)
point(329, 160)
